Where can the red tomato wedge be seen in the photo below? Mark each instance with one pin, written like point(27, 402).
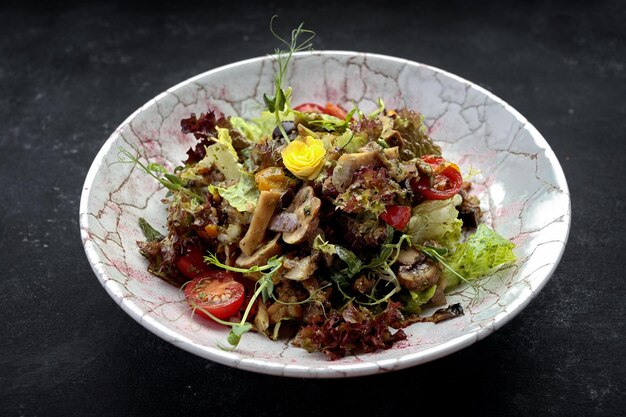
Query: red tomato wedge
point(217, 292)
point(446, 182)
point(191, 263)
point(397, 216)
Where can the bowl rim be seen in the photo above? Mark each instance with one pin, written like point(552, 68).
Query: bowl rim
point(332, 369)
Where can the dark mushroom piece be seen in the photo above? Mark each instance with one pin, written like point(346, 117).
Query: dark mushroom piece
point(306, 207)
point(417, 272)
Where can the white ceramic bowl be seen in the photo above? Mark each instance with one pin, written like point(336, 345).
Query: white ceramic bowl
point(521, 186)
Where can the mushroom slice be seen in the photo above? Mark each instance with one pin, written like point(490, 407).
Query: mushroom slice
point(419, 276)
point(409, 256)
point(306, 207)
point(261, 255)
point(301, 269)
point(268, 200)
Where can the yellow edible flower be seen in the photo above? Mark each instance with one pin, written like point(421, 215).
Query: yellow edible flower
point(304, 158)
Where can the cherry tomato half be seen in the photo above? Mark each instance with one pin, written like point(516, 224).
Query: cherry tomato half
point(191, 263)
point(217, 292)
point(309, 107)
point(330, 109)
point(397, 216)
point(448, 181)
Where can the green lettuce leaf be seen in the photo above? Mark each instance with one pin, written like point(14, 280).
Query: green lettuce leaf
point(243, 196)
point(219, 156)
point(259, 127)
point(413, 301)
point(482, 253)
point(223, 138)
point(254, 130)
point(436, 220)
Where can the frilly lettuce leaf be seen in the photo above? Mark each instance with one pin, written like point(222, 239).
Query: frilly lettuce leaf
point(482, 253)
point(436, 220)
point(243, 196)
point(415, 140)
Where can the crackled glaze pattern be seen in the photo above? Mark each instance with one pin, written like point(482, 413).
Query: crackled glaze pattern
point(521, 186)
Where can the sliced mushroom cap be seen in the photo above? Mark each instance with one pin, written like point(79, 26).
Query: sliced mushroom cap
point(419, 276)
point(260, 256)
point(268, 200)
point(300, 269)
point(410, 256)
point(306, 207)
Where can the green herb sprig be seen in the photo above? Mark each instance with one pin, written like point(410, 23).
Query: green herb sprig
point(278, 102)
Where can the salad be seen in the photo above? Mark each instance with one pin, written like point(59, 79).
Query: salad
point(335, 228)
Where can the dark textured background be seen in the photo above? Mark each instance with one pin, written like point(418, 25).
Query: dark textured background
point(70, 73)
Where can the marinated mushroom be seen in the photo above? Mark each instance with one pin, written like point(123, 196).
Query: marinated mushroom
point(268, 200)
point(306, 207)
point(260, 256)
point(300, 269)
point(409, 256)
point(419, 276)
point(416, 271)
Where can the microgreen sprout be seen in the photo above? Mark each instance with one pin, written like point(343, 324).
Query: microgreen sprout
point(279, 101)
point(379, 110)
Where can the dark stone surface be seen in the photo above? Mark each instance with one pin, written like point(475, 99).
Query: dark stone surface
point(70, 73)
